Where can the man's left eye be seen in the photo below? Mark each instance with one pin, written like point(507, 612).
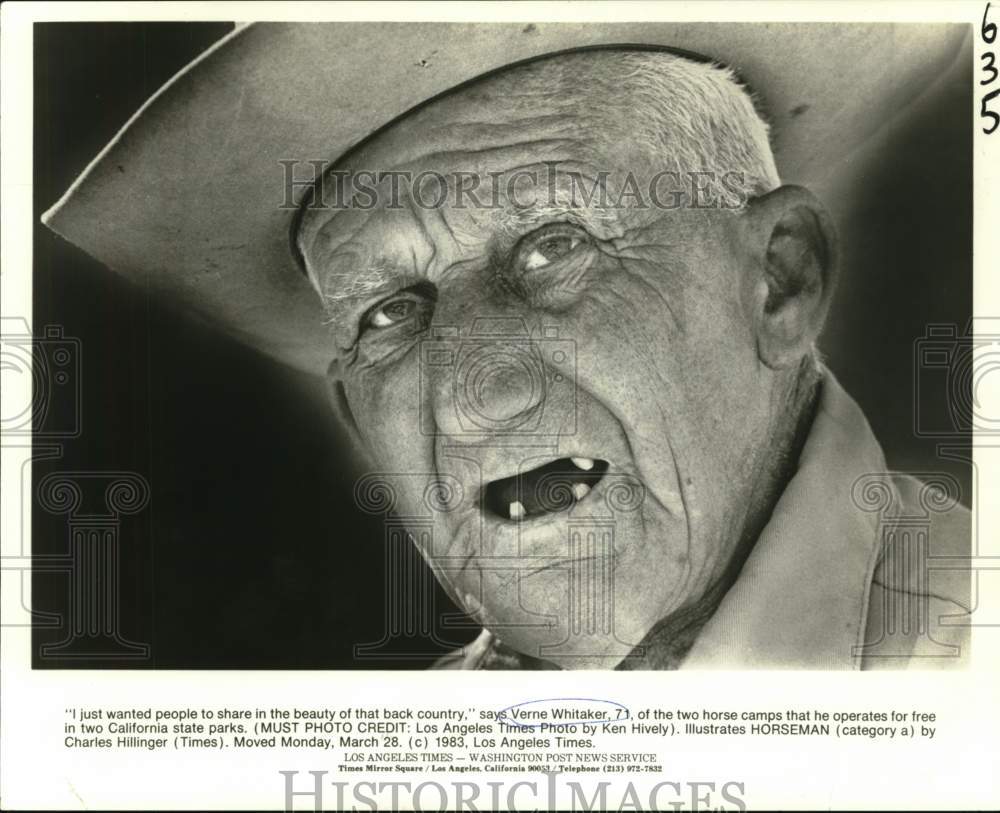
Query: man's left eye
point(547, 246)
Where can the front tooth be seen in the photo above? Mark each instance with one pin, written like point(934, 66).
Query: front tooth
point(516, 510)
point(584, 463)
point(580, 490)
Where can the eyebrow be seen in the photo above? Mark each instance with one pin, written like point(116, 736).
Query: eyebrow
point(355, 285)
point(514, 219)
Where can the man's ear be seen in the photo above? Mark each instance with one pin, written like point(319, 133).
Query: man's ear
point(793, 243)
point(341, 409)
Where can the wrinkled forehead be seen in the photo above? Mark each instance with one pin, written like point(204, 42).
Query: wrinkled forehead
point(550, 95)
point(520, 118)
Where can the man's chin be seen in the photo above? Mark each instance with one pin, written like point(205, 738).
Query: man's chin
point(561, 613)
point(545, 654)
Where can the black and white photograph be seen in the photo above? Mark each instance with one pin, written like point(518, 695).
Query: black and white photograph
point(366, 351)
point(645, 456)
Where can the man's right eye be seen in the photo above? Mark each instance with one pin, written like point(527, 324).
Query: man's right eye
point(389, 313)
point(413, 306)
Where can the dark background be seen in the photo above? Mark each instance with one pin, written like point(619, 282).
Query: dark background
point(251, 552)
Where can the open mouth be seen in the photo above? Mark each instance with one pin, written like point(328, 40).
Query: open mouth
point(556, 486)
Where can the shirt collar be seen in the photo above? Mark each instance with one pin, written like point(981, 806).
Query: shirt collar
point(801, 599)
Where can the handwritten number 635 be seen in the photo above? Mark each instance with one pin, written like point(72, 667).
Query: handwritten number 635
point(988, 31)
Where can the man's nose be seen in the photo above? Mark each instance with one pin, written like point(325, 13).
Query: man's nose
point(489, 379)
point(502, 384)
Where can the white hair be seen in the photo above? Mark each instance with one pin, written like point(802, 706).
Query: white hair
point(691, 115)
point(699, 114)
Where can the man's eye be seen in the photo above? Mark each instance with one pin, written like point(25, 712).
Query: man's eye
point(411, 306)
point(389, 313)
point(549, 245)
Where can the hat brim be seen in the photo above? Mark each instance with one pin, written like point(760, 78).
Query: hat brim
point(189, 196)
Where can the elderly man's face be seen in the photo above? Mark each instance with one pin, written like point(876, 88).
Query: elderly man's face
point(586, 383)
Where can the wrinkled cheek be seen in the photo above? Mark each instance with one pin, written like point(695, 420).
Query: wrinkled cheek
point(386, 412)
point(652, 568)
point(449, 547)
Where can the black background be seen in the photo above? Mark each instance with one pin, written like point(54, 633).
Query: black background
point(251, 552)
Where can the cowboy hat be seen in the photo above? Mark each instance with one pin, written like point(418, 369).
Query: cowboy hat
point(189, 197)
